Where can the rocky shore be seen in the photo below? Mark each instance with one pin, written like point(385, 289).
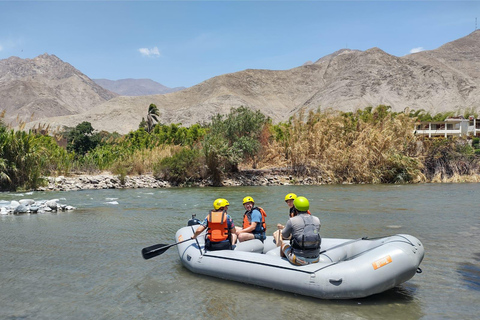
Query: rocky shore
point(270, 177)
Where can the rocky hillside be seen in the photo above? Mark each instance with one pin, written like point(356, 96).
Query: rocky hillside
point(45, 86)
point(436, 80)
point(135, 87)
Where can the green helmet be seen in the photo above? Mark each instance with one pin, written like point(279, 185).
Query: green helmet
point(301, 204)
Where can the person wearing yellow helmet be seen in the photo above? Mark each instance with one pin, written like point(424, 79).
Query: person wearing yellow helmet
point(220, 227)
point(303, 229)
point(254, 225)
point(289, 198)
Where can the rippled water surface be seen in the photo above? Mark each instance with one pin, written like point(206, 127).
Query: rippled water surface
point(86, 264)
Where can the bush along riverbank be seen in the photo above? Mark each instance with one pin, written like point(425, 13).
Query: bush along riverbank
point(373, 145)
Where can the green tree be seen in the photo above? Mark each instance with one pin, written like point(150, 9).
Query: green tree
point(82, 138)
point(142, 124)
point(232, 139)
point(152, 115)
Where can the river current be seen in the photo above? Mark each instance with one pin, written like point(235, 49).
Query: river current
point(86, 264)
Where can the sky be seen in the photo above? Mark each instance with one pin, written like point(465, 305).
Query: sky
point(183, 43)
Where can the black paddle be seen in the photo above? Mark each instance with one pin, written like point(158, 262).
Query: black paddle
point(158, 249)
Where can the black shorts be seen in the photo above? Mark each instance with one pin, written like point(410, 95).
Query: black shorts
point(212, 246)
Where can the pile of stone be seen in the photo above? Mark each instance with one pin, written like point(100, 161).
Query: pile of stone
point(26, 206)
point(105, 181)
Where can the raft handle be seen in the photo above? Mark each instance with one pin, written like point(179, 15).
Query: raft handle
point(336, 282)
point(419, 270)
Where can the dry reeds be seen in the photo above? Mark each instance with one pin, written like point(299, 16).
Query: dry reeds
point(346, 148)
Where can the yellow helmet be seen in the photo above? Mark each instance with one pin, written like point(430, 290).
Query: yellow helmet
point(220, 203)
point(290, 196)
point(247, 199)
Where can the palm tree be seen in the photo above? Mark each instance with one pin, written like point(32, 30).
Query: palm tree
point(152, 115)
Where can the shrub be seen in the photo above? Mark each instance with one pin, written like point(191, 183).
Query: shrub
point(183, 166)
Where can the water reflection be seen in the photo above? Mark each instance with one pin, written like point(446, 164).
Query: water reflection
point(470, 275)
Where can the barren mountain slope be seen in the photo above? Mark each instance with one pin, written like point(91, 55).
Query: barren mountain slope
point(135, 87)
point(345, 80)
point(45, 86)
point(356, 79)
point(461, 55)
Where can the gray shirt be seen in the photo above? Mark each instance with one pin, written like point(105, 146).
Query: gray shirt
point(295, 227)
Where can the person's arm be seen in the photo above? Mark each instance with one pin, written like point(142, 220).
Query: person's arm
point(256, 218)
point(198, 231)
point(249, 229)
point(287, 230)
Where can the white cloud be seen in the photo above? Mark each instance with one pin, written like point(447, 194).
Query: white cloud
point(153, 52)
point(415, 50)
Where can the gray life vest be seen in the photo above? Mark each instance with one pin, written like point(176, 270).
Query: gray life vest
point(307, 243)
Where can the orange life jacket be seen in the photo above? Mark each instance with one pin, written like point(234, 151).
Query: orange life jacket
point(217, 226)
point(247, 223)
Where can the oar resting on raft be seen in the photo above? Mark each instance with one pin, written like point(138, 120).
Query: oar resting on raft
point(158, 249)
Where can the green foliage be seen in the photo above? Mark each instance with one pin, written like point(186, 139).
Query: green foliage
point(232, 139)
point(449, 157)
point(476, 143)
point(82, 138)
point(182, 167)
point(281, 134)
point(143, 124)
point(21, 160)
point(152, 116)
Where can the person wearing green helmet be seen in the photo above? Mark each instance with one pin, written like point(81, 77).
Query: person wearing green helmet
point(303, 229)
point(220, 227)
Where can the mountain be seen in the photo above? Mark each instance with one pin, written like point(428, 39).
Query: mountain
point(135, 87)
point(32, 89)
point(438, 80)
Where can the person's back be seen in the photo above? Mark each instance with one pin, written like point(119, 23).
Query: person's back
point(220, 227)
point(303, 229)
point(305, 239)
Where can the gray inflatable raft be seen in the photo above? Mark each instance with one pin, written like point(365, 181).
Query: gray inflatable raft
point(347, 268)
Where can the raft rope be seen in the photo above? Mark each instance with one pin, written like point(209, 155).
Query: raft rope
point(198, 244)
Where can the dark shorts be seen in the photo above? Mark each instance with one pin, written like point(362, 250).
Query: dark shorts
point(212, 246)
point(260, 236)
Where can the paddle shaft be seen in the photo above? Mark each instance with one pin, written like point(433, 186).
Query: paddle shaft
point(158, 249)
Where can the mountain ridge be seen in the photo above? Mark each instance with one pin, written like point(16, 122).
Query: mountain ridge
point(435, 80)
point(135, 87)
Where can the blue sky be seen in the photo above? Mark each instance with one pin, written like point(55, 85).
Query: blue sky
point(182, 43)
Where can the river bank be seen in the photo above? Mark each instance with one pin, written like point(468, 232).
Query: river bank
point(107, 180)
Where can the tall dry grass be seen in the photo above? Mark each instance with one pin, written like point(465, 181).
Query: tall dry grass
point(345, 148)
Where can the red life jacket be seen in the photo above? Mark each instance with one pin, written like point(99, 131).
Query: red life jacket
point(217, 226)
point(247, 223)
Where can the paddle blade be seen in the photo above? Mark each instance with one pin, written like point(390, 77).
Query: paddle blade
point(153, 251)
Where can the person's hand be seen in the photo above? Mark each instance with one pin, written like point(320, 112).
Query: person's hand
point(280, 226)
point(193, 237)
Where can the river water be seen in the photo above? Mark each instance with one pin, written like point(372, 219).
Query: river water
point(86, 264)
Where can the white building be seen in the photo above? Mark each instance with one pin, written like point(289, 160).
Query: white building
point(451, 127)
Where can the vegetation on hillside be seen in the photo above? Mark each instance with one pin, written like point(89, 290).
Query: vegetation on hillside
point(373, 145)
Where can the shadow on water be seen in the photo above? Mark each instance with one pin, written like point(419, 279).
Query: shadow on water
point(471, 273)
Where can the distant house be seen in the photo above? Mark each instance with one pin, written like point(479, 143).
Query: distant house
point(451, 127)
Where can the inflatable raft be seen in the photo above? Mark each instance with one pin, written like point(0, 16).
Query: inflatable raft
point(348, 268)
